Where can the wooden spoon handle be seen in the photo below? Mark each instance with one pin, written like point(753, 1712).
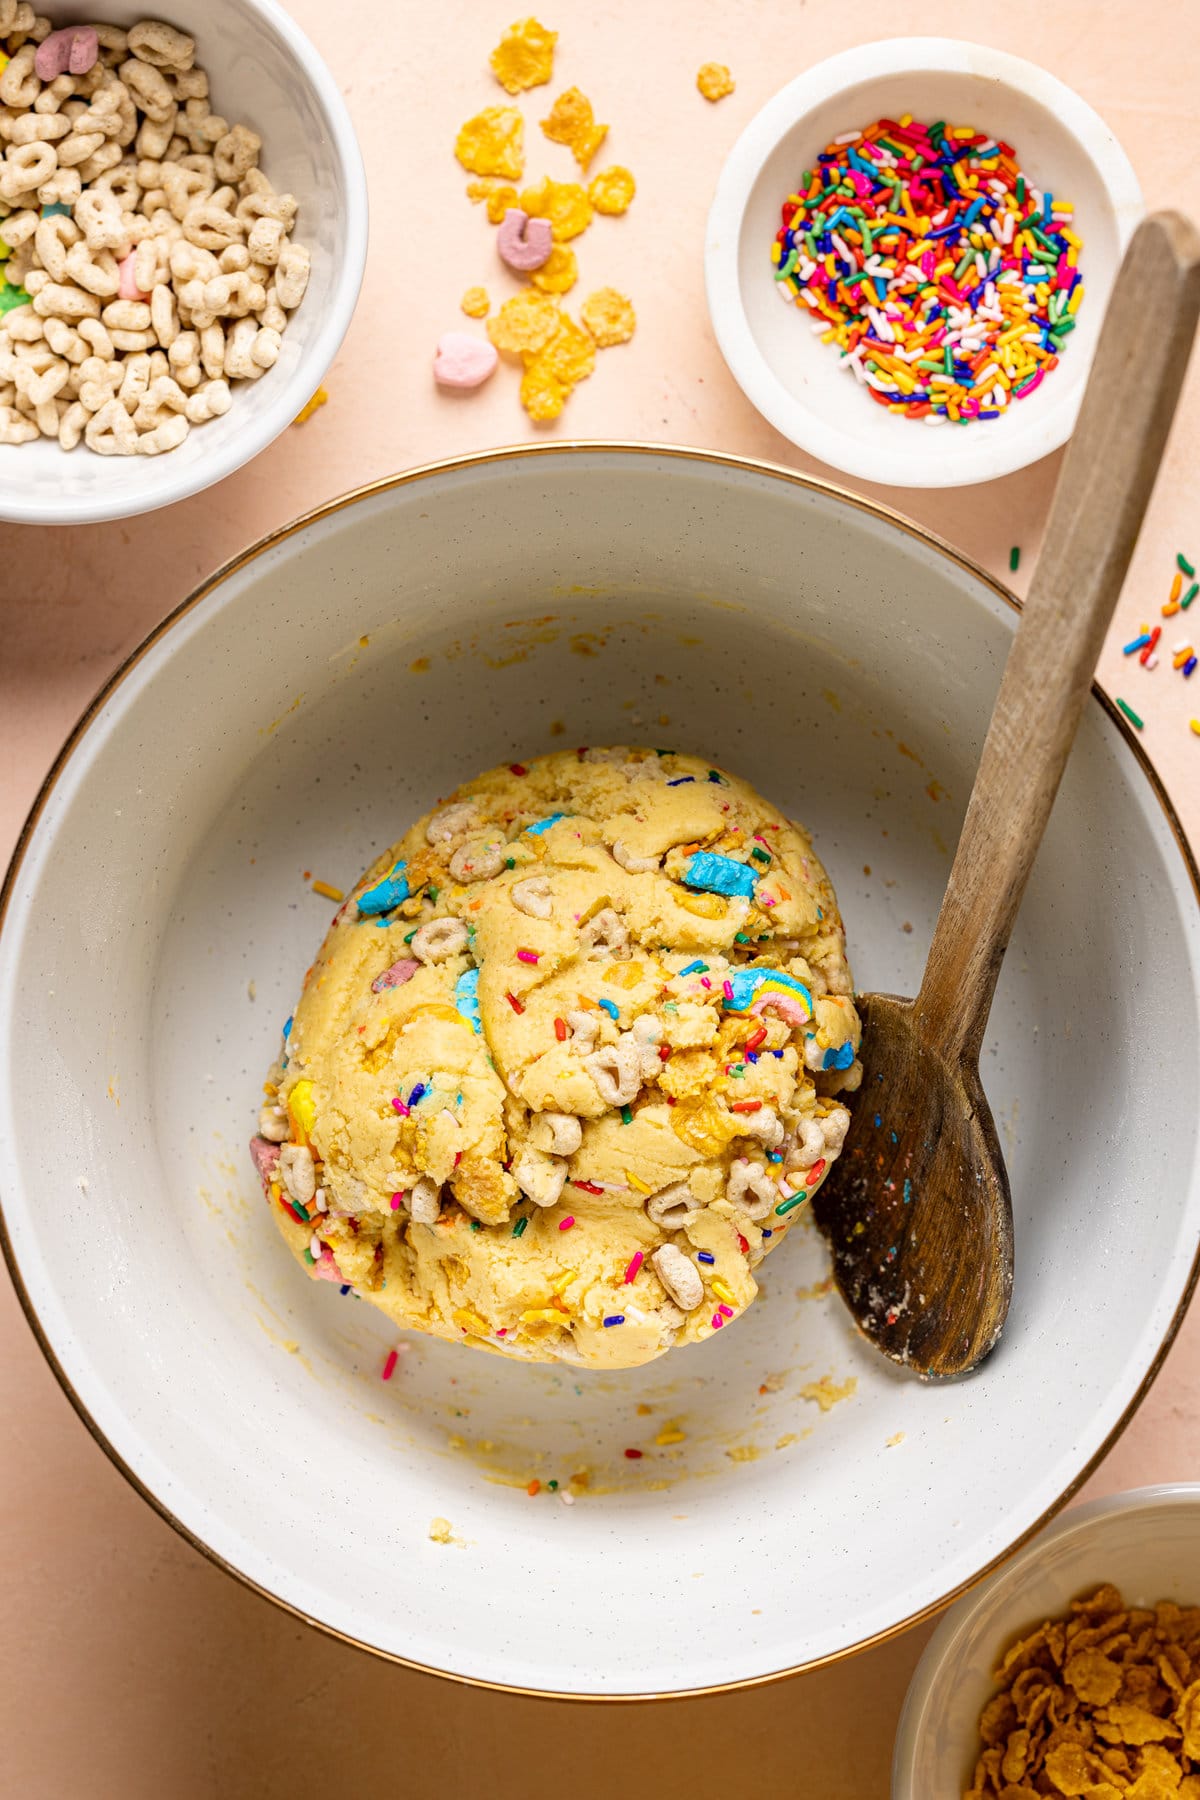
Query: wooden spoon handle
point(1098, 507)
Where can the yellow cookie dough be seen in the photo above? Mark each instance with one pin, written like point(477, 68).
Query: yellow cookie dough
point(566, 1065)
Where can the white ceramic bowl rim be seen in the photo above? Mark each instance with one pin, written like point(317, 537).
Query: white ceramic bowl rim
point(852, 68)
point(259, 425)
point(524, 453)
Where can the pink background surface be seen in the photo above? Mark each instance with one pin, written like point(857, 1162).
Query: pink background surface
point(129, 1665)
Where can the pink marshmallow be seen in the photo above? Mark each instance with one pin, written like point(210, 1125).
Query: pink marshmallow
point(71, 51)
point(396, 976)
point(523, 243)
point(266, 1158)
point(792, 1011)
point(128, 289)
point(325, 1268)
point(462, 361)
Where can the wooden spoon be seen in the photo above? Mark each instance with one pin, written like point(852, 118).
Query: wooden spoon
point(917, 1207)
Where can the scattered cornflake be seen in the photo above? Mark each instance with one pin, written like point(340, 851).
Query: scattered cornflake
point(439, 1531)
point(1101, 1702)
point(897, 1437)
point(572, 122)
point(493, 143)
point(609, 317)
point(498, 195)
point(564, 203)
point(612, 190)
point(559, 273)
point(744, 1453)
point(524, 324)
point(826, 1392)
point(670, 1434)
point(524, 57)
point(310, 407)
point(475, 303)
point(553, 372)
point(714, 81)
point(771, 1384)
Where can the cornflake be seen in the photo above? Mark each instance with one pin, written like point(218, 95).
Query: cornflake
point(475, 303)
point(572, 122)
point(609, 317)
point(524, 324)
point(493, 143)
point(524, 57)
point(612, 190)
point(564, 203)
point(559, 273)
point(1104, 1703)
point(714, 81)
point(498, 195)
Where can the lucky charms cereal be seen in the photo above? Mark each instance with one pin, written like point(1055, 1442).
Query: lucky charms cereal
point(567, 1064)
point(536, 231)
point(148, 261)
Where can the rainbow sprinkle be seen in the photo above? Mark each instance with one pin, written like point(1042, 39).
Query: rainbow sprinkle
point(948, 285)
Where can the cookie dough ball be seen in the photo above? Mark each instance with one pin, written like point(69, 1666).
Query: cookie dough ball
point(567, 1064)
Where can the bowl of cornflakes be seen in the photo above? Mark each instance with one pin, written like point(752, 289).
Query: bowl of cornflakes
point(943, 222)
point(766, 1500)
point(1074, 1670)
point(181, 248)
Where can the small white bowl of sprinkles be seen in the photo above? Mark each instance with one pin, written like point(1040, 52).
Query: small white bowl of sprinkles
point(909, 255)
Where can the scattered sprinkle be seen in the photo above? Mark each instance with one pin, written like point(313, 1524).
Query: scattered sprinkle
point(634, 1455)
point(1014, 558)
point(329, 893)
point(1129, 713)
point(389, 1365)
point(306, 412)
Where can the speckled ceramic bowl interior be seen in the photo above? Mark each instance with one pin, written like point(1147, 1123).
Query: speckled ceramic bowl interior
point(289, 723)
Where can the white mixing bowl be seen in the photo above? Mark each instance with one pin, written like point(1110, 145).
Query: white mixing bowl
point(295, 715)
point(265, 74)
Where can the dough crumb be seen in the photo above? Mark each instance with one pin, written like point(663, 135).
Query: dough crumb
point(827, 1392)
point(439, 1531)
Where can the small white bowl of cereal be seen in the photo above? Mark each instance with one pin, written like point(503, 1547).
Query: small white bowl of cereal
point(1076, 1665)
point(944, 222)
point(183, 231)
